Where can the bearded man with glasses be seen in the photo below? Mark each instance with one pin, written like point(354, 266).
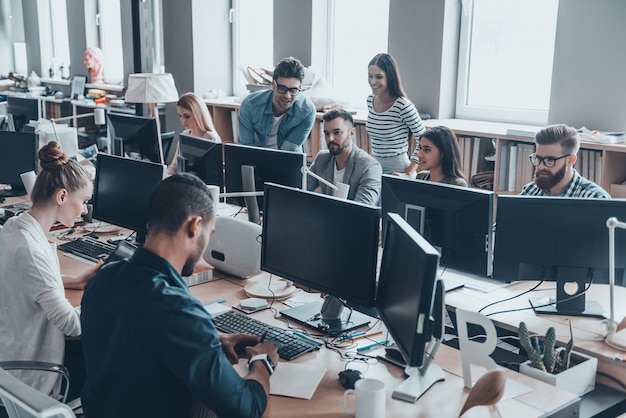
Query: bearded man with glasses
point(279, 118)
point(554, 158)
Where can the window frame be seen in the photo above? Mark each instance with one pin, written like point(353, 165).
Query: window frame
point(494, 114)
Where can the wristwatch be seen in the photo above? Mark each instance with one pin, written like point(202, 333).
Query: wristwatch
point(267, 362)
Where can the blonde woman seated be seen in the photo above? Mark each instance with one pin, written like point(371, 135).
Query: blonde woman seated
point(35, 315)
point(196, 119)
point(437, 157)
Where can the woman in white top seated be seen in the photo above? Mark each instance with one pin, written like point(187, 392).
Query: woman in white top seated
point(195, 117)
point(35, 315)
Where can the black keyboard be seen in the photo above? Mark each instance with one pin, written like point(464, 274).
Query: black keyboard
point(88, 248)
point(290, 345)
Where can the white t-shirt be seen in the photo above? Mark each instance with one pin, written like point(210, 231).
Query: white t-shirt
point(272, 140)
point(338, 175)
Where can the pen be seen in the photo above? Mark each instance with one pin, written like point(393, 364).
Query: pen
point(263, 337)
point(368, 347)
point(347, 337)
point(371, 334)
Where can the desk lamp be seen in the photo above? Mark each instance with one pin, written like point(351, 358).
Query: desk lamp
point(612, 339)
point(98, 116)
point(152, 88)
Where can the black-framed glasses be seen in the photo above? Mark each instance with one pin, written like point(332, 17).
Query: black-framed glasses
point(547, 161)
point(284, 89)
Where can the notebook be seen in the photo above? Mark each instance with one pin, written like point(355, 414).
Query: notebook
point(293, 380)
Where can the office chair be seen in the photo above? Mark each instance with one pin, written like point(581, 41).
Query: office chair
point(21, 400)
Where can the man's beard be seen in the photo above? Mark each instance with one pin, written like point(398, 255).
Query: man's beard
point(546, 183)
point(335, 150)
point(192, 260)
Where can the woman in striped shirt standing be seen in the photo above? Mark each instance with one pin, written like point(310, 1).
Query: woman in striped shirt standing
point(391, 117)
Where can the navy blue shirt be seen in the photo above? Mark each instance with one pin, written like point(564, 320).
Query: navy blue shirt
point(151, 348)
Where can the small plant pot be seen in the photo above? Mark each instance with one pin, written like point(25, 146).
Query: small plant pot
point(579, 379)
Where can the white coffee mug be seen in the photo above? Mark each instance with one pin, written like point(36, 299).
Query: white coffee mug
point(369, 399)
point(342, 191)
point(215, 196)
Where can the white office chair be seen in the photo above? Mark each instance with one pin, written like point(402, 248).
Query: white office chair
point(22, 401)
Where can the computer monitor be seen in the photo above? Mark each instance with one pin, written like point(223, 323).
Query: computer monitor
point(135, 137)
point(270, 165)
point(122, 191)
point(560, 239)
point(203, 158)
point(410, 303)
point(459, 220)
point(325, 243)
point(23, 110)
point(18, 154)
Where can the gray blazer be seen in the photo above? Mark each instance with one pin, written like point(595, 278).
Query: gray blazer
point(363, 174)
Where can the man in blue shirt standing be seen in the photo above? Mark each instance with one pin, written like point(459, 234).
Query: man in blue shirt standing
point(554, 158)
point(151, 349)
point(278, 118)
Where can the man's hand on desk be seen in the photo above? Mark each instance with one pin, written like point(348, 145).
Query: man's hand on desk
point(79, 282)
point(238, 346)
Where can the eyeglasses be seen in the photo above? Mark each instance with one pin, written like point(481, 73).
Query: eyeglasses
point(284, 89)
point(547, 161)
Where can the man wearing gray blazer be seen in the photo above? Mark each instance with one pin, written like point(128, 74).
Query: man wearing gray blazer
point(344, 162)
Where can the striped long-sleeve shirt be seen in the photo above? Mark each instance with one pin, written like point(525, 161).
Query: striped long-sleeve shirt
point(389, 130)
point(578, 187)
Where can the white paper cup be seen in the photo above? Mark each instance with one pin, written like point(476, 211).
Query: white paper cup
point(342, 191)
point(28, 179)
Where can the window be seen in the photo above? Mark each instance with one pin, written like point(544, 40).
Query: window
point(505, 60)
point(253, 43)
point(357, 30)
point(53, 37)
point(110, 34)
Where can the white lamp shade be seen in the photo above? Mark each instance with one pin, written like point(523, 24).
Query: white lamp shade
point(151, 88)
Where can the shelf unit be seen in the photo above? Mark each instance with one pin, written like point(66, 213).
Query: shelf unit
point(479, 136)
point(611, 158)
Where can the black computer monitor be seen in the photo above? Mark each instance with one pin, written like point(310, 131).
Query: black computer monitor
point(18, 154)
point(203, 158)
point(270, 165)
point(135, 137)
point(457, 219)
point(560, 239)
point(122, 191)
point(23, 110)
point(326, 243)
point(410, 303)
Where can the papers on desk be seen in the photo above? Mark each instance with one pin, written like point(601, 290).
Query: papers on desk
point(290, 379)
point(302, 298)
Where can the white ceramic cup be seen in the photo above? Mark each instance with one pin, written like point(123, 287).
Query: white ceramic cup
point(215, 196)
point(342, 191)
point(369, 399)
point(28, 178)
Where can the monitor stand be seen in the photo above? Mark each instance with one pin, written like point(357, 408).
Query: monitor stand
point(567, 303)
point(328, 317)
point(422, 378)
point(417, 383)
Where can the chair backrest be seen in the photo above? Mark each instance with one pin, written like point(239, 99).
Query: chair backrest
point(21, 400)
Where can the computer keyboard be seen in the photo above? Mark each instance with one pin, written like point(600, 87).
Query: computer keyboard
point(88, 248)
point(290, 344)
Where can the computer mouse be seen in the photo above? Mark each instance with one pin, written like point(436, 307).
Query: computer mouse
point(348, 378)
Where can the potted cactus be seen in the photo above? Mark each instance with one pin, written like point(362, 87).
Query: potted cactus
point(559, 366)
